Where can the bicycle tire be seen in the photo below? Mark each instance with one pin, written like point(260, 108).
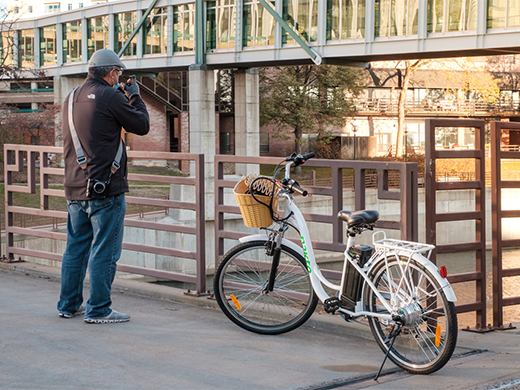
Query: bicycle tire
point(431, 318)
point(239, 288)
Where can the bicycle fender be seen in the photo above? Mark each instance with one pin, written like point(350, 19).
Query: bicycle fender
point(445, 285)
point(263, 237)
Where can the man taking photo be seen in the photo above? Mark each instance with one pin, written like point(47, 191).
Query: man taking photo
point(95, 184)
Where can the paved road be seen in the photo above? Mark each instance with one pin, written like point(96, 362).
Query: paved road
point(174, 345)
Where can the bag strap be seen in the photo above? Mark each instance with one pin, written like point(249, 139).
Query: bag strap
point(82, 160)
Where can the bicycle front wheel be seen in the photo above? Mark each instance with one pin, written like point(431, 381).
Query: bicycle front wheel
point(240, 287)
point(429, 335)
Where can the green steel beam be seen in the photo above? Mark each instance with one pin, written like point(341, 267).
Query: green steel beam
point(200, 49)
point(138, 27)
point(314, 56)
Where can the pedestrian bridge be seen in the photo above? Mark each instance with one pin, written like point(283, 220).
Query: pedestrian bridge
point(159, 35)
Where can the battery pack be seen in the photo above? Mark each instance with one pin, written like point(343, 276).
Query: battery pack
point(353, 281)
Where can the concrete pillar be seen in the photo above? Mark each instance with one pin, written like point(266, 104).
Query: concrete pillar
point(184, 139)
point(202, 114)
point(247, 118)
point(62, 87)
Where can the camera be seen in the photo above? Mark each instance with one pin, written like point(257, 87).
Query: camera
point(96, 189)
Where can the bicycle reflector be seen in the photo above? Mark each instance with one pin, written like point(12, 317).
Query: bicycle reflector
point(235, 301)
point(443, 271)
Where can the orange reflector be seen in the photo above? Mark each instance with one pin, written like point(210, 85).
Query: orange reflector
point(443, 271)
point(235, 301)
point(438, 336)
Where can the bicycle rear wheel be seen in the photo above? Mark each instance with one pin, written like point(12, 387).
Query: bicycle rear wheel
point(428, 338)
point(240, 287)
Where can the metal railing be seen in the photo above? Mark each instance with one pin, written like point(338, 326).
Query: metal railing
point(499, 153)
point(406, 196)
point(424, 106)
point(22, 159)
point(433, 216)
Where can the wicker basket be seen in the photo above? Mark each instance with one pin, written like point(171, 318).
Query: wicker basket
point(255, 214)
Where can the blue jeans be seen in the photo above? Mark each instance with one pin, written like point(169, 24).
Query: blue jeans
point(94, 239)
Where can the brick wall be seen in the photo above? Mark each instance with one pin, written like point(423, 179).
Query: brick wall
point(158, 139)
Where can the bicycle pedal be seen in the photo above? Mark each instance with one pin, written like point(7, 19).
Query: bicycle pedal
point(332, 304)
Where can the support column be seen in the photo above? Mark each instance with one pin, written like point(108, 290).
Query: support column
point(202, 125)
point(247, 118)
point(62, 87)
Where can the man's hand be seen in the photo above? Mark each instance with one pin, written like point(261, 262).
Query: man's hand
point(131, 87)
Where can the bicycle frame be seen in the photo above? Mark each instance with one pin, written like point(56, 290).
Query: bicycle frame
point(317, 278)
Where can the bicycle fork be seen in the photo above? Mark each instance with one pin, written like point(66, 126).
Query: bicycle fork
point(274, 248)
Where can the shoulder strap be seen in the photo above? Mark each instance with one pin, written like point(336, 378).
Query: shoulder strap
point(82, 160)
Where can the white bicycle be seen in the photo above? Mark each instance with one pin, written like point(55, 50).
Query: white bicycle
point(269, 285)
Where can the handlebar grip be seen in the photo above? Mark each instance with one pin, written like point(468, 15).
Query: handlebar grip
point(308, 156)
point(296, 188)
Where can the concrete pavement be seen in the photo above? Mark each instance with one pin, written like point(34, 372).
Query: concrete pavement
point(178, 342)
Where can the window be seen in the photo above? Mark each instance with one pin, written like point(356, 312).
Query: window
point(26, 48)
point(302, 16)
point(503, 13)
point(264, 142)
point(51, 8)
point(70, 7)
point(258, 25)
point(80, 5)
point(48, 55)
point(125, 25)
point(6, 48)
point(72, 41)
point(16, 10)
point(156, 32)
point(30, 9)
point(220, 27)
point(225, 143)
point(391, 20)
point(97, 30)
point(184, 28)
point(345, 19)
point(452, 15)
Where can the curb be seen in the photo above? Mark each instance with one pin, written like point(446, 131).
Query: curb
point(331, 324)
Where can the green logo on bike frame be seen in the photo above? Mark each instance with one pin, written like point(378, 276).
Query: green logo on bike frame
point(306, 255)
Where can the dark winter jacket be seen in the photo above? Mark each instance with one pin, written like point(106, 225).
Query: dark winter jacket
point(100, 112)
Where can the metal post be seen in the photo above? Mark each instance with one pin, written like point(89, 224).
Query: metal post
point(354, 130)
point(405, 144)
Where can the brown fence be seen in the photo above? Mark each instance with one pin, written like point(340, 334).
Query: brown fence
point(406, 196)
point(500, 182)
point(433, 216)
point(23, 160)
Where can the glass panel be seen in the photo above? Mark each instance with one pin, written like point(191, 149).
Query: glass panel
point(6, 48)
point(333, 20)
point(48, 55)
point(471, 14)
point(211, 26)
point(26, 48)
point(513, 13)
point(413, 12)
point(455, 13)
point(360, 31)
point(496, 13)
point(98, 29)
point(258, 25)
point(184, 28)
point(125, 25)
point(302, 16)
point(72, 41)
point(435, 16)
point(288, 16)
point(156, 33)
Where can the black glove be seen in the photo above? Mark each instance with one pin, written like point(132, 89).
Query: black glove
point(131, 88)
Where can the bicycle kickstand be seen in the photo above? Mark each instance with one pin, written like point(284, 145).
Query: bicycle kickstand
point(393, 336)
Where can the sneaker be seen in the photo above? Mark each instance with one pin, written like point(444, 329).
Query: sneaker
point(78, 312)
point(111, 318)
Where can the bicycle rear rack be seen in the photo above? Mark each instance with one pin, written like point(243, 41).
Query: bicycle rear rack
point(408, 248)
